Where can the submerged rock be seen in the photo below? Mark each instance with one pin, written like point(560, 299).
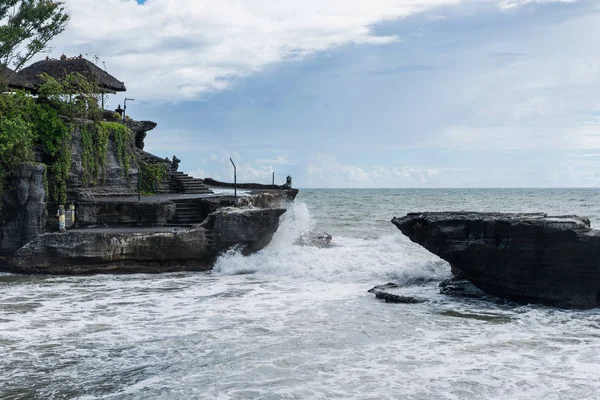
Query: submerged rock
point(314, 239)
point(381, 292)
point(522, 257)
point(460, 287)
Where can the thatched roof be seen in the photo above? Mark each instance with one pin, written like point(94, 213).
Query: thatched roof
point(14, 81)
point(59, 69)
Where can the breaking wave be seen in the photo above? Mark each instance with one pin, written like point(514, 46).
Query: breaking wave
point(346, 259)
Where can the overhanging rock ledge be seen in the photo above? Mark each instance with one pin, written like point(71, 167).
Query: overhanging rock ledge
point(528, 258)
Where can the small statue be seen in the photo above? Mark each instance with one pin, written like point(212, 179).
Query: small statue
point(119, 110)
point(175, 163)
point(288, 183)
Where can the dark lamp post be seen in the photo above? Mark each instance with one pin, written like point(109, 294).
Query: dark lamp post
point(125, 107)
point(234, 179)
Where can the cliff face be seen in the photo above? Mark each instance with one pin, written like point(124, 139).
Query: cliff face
point(116, 231)
point(113, 178)
point(523, 257)
point(156, 249)
point(22, 207)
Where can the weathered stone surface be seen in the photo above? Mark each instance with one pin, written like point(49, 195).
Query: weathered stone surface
point(460, 287)
point(123, 213)
point(114, 180)
point(22, 207)
point(521, 257)
point(113, 251)
point(251, 228)
point(156, 249)
point(252, 186)
point(270, 199)
point(382, 292)
point(140, 130)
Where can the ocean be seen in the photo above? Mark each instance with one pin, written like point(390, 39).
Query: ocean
point(296, 322)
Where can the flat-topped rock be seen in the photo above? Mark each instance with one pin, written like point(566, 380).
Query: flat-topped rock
point(147, 249)
point(553, 260)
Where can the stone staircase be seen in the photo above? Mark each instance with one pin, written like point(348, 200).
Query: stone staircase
point(188, 212)
point(183, 183)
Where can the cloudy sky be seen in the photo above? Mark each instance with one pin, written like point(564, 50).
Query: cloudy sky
point(349, 93)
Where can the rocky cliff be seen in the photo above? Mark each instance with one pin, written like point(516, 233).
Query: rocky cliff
point(22, 207)
point(113, 178)
point(523, 257)
point(148, 250)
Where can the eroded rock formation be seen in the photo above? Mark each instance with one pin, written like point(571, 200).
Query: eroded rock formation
point(523, 257)
point(22, 207)
point(156, 249)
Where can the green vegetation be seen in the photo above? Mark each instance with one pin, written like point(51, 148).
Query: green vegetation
point(95, 138)
point(44, 125)
point(123, 140)
point(41, 128)
point(27, 28)
point(151, 176)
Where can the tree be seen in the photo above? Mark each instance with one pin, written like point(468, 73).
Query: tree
point(27, 28)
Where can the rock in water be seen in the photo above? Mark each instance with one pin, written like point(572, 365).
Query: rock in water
point(522, 257)
point(314, 239)
point(382, 292)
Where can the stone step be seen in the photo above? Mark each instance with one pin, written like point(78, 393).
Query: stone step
point(188, 208)
point(190, 214)
point(192, 187)
point(186, 201)
point(187, 221)
point(192, 184)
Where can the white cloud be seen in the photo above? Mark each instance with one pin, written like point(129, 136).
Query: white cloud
point(279, 160)
point(327, 171)
point(198, 173)
point(518, 3)
point(170, 50)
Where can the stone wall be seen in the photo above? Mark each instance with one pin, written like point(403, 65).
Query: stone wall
point(114, 180)
point(23, 207)
point(123, 213)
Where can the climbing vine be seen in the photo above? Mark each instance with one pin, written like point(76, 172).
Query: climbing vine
point(45, 179)
point(41, 129)
point(95, 138)
point(60, 171)
point(151, 176)
point(94, 142)
point(122, 138)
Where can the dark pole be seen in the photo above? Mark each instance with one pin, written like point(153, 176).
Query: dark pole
point(125, 107)
point(234, 178)
point(273, 178)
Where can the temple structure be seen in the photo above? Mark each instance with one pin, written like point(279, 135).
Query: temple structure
point(60, 68)
point(112, 225)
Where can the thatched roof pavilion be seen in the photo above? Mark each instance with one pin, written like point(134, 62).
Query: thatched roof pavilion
point(14, 81)
point(59, 69)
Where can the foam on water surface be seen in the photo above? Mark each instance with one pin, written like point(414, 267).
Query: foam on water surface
point(296, 321)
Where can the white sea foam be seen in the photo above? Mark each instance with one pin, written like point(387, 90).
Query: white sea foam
point(301, 324)
point(347, 259)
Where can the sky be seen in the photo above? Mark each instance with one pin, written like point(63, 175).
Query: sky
point(358, 94)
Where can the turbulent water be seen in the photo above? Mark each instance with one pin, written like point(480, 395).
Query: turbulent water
point(296, 322)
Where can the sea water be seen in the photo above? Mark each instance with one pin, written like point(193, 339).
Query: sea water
point(296, 322)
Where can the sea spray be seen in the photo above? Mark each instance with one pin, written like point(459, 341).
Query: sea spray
point(349, 259)
point(299, 326)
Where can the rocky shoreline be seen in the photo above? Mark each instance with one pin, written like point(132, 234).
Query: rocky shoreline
point(528, 258)
point(181, 225)
point(155, 246)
